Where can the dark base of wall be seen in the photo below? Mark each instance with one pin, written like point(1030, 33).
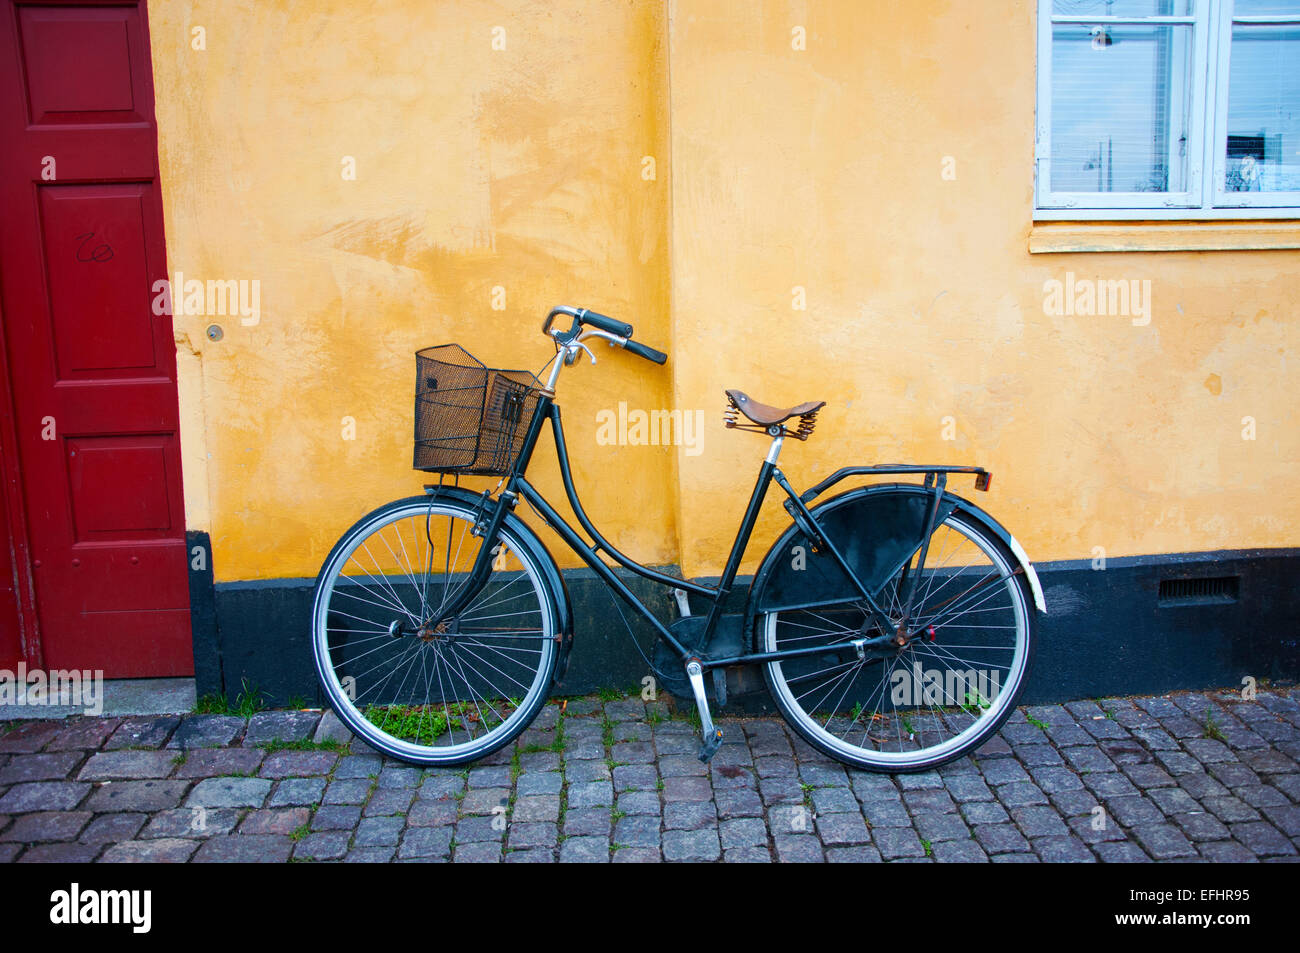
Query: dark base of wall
point(263, 637)
point(1106, 631)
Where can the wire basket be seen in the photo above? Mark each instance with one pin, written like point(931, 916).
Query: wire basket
point(469, 418)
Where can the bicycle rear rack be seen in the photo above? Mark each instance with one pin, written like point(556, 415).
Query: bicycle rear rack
point(983, 478)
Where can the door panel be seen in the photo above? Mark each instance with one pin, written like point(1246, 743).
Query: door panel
point(106, 276)
point(79, 63)
point(92, 368)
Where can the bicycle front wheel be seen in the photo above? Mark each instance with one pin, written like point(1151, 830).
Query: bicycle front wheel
point(942, 695)
point(432, 694)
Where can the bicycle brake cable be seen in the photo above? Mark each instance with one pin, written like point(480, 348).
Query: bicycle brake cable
point(664, 679)
point(542, 371)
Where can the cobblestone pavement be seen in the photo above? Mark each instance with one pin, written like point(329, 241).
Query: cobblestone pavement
point(1183, 777)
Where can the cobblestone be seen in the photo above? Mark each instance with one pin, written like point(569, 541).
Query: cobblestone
point(1120, 780)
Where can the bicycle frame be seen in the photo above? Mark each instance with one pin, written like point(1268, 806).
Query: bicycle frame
point(517, 485)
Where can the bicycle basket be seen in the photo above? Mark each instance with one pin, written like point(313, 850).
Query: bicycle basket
point(469, 418)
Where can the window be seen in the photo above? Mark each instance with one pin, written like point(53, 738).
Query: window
point(1169, 109)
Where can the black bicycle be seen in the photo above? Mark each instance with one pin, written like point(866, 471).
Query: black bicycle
point(894, 622)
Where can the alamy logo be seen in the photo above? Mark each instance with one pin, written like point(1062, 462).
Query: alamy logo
point(74, 905)
point(653, 428)
point(1084, 296)
point(73, 688)
point(967, 688)
point(229, 296)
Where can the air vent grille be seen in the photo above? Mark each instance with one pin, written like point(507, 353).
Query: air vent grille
point(1195, 592)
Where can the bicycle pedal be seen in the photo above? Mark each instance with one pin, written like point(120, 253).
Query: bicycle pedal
point(712, 742)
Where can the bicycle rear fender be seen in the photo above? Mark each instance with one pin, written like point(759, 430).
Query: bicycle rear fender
point(792, 575)
point(554, 580)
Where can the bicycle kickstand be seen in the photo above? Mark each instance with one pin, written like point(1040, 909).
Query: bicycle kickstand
point(712, 737)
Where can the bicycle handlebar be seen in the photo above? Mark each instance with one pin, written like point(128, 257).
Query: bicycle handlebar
point(620, 329)
point(649, 353)
point(583, 316)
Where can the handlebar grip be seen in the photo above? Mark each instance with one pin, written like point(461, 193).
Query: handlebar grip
point(620, 328)
point(649, 353)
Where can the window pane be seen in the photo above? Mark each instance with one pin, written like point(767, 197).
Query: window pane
point(1266, 8)
point(1121, 8)
point(1121, 95)
point(1263, 110)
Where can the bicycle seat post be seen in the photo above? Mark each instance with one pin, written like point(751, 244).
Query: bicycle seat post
point(778, 438)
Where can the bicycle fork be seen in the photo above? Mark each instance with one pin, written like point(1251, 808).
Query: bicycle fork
point(478, 575)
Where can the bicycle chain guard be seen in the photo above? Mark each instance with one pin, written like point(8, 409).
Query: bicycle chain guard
point(670, 669)
point(727, 642)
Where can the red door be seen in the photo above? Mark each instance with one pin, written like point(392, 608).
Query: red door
point(92, 370)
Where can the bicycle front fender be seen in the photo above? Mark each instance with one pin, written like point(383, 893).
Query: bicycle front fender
point(557, 589)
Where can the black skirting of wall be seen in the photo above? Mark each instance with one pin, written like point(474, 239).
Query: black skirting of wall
point(203, 612)
point(1111, 631)
point(263, 638)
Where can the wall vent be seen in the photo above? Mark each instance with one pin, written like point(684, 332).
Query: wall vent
point(1215, 590)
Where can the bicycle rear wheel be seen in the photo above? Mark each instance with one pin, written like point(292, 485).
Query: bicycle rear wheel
point(942, 695)
point(432, 695)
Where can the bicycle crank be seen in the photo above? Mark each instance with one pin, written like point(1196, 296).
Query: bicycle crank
point(712, 736)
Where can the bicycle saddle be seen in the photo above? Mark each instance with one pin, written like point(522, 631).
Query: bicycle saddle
point(765, 416)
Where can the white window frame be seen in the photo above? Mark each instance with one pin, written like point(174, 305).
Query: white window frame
point(1256, 202)
point(1211, 25)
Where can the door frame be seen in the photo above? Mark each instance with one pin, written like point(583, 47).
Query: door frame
point(12, 497)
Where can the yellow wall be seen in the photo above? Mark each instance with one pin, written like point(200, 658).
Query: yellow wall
point(818, 168)
point(476, 168)
point(822, 169)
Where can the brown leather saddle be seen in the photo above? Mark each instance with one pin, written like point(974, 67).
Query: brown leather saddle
point(764, 418)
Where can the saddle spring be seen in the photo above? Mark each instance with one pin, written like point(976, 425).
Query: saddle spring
point(731, 419)
point(806, 424)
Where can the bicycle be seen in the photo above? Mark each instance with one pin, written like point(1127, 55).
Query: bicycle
point(894, 623)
